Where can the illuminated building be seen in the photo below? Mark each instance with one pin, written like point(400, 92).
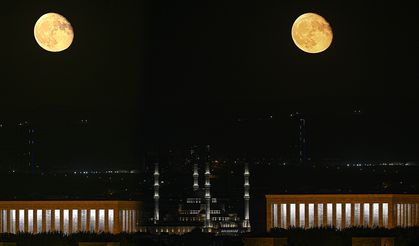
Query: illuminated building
point(198, 210)
point(69, 216)
point(341, 211)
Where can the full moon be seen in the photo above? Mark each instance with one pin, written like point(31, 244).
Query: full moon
point(53, 32)
point(311, 33)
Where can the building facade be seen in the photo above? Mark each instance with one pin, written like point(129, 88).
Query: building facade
point(69, 216)
point(342, 211)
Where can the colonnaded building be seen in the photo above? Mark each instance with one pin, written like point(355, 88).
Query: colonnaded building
point(342, 211)
point(69, 216)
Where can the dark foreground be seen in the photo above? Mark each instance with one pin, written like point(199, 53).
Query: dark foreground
point(296, 237)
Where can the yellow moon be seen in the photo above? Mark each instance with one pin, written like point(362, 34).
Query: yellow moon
point(311, 33)
point(53, 32)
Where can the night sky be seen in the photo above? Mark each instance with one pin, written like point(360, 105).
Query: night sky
point(153, 74)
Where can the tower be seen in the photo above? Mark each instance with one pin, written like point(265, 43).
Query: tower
point(246, 221)
point(208, 224)
point(26, 160)
point(195, 171)
point(302, 141)
point(156, 193)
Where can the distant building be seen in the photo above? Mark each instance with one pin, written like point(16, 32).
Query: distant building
point(199, 209)
point(341, 211)
point(302, 142)
point(69, 216)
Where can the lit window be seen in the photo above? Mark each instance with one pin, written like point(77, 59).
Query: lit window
point(75, 220)
point(39, 220)
point(311, 215)
point(12, 221)
point(101, 220)
point(4, 221)
point(83, 218)
point(275, 215)
point(302, 215)
point(339, 215)
point(366, 214)
point(409, 214)
point(57, 220)
point(385, 214)
point(48, 220)
point(21, 220)
point(375, 214)
point(66, 219)
point(329, 214)
point(320, 214)
point(92, 220)
point(347, 215)
point(123, 217)
point(292, 215)
point(357, 214)
point(30, 220)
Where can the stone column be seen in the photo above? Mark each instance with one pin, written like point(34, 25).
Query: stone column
point(306, 215)
point(44, 225)
point(1, 220)
point(371, 222)
point(352, 214)
point(25, 219)
point(316, 215)
point(391, 215)
point(70, 220)
point(324, 214)
point(17, 221)
point(53, 220)
point(61, 220)
point(297, 215)
point(88, 220)
point(334, 214)
point(343, 221)
point(106, 220)
point(35, 221)
point(79, 220)
point(97, 220)
point(380, 214)
point(269, 216)
point(361, 214)
point(117, 225)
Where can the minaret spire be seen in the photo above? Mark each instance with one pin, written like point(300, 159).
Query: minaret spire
point(156, 193)
point(208, 224)
point(195, 171)
point(246, 221)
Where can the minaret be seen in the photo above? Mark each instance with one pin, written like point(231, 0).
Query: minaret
point(208, 224)
point(195, 171)
point(246, 221)
point(156, 193)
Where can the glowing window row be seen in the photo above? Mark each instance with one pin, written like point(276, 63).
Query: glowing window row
point(337, 215)
point(13, 220)
point(407, 214)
